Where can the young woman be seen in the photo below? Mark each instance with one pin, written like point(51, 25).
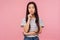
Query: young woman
point(32, 24)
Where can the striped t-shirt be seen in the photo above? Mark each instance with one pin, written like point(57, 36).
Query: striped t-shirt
point(33, 25)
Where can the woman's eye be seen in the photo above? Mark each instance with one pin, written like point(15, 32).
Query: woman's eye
point(31, 7)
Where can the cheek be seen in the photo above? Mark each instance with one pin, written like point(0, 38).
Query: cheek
point(33, 10)
point(29, 10)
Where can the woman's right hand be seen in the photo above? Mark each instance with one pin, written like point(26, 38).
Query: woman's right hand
point(29, 17)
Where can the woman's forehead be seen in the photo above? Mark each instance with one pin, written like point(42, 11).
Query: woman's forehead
point(31, 5)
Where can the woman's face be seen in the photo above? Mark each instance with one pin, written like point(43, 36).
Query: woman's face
point(31, 8)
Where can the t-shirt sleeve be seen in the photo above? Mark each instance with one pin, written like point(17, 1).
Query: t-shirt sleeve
point(23, 22)
point(41, 23)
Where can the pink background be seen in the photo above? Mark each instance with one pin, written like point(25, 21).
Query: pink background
point(13, 11)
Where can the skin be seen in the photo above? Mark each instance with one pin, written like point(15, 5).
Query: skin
point(30, 16)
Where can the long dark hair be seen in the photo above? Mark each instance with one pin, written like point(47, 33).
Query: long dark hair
point(36, 15)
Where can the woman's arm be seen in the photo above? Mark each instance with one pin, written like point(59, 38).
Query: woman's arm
point(30, 33)
point(26, 27)
point(34, 32)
